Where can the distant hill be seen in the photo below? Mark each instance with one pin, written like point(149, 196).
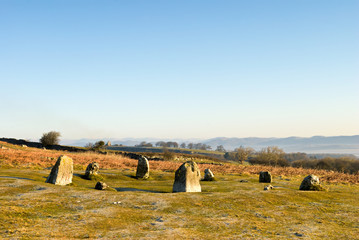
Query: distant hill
point(315, 144)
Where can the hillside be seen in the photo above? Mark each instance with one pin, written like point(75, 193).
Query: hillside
point(233, 207)
point(316, 144)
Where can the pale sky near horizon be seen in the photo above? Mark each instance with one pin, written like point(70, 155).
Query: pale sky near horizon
point(179, 69)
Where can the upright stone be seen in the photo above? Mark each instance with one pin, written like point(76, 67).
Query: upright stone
point(143, 168)
point(61, 173)
point(187, 178)
point(208, 175)
point(265, 177)
point(92, 169)
point(309, 183)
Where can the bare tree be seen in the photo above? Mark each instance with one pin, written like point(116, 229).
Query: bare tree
point(273, 156)
point(242, 153)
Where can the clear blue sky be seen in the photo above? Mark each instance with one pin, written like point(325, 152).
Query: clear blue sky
point(179, 69)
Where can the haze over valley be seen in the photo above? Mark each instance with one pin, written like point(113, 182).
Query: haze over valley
point(315, 144)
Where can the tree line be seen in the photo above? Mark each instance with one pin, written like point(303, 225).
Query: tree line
point(171, 144)
point(274, 156)
point(271, 156)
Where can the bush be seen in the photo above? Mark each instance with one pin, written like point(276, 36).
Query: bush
point(50, 138)
point(168, 155)
point(343, 164)
point(271, 156)
point(99, 145)
point(230, 155)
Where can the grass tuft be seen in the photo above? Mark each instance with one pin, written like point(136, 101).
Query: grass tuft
point(93, 177)
point(318, 187)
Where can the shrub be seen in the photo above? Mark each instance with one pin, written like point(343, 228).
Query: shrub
point(98, 145)
point(168, 155)
point(271, 156)
point(343, 164)
point(50, 138)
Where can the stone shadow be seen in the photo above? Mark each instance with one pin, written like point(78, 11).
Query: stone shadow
point(137, 190)
point(131, 176)
point(17, 178)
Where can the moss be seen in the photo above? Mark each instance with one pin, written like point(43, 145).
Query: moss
point(110, 189)
point(318, 187)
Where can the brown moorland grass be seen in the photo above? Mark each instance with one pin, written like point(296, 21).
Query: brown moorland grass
point(228, 208)
point(19, 157)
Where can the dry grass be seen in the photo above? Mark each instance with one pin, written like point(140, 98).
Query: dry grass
point(226, 209)
point(19, 157)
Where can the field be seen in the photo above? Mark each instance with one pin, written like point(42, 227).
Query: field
point(146, 209)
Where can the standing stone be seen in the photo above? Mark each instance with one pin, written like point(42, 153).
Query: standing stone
point(309, 183)
point(265, 177)
point(101, 186)
point(92, 169)
point(61, 173)
point(208, 175)
point(187, 178)
point(143, 168)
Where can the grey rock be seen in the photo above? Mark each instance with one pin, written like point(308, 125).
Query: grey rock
point(101, 186)
point(265, 177)
point(187, 178)
point(309, 182)
point(92, 169)
point(208, 175)
point(143, 168)
point(62, 171)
